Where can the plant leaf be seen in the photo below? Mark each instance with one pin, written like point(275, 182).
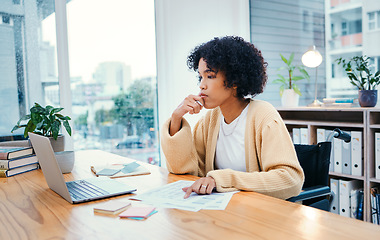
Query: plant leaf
point(67, 127)
point(56, 110)
point(296, 89)
point(284, 59)
point(55, 129)
point(291, 58)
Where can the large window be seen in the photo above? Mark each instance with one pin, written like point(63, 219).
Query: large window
point(113, 76)
point(112, 68)
point(27, 60)
point(286, 27)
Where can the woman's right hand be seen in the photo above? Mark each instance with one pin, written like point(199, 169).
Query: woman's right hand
point(188, 105)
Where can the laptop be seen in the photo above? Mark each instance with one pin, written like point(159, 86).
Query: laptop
point(77, 191)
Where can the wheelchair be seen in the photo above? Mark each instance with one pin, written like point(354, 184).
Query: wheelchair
point(315, 162)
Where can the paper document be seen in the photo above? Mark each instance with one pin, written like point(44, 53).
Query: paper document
point(171, 196)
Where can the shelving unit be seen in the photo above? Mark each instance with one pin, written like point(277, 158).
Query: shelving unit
point(366, 120)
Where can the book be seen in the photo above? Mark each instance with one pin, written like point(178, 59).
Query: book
point(337, 105)
point(112, 207)
point(137, 212)
point(18, 162)
point(11, 172)
point(338, 100)
point(374, 210)
point(119, 170)
point(14, 152)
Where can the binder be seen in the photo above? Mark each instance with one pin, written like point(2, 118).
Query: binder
point(321, 135)
point(345, 188)
point(377, 155)
point(304, 136)
point(355, 197)
point(334, 186)
point(346, 157)
point(332, 163)
point(356, 153)
point(338, 155)
point(296, 136)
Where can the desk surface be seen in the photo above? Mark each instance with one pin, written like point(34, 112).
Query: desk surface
point(30, 210)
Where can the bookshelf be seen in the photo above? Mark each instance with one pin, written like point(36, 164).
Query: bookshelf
point(366, 120)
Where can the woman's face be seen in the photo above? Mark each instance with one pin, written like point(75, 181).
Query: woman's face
point(213, 90)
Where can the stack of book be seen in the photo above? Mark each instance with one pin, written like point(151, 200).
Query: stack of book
point(16, 160)
point(340, 102)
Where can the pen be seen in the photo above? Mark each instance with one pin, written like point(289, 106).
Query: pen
point(199, 103)
point(93, 170)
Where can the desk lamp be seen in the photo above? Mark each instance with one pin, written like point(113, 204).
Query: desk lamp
point(312, 59)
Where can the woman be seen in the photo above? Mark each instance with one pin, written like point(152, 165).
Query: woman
point(241, 144)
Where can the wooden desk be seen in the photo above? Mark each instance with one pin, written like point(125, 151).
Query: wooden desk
point(30, 210)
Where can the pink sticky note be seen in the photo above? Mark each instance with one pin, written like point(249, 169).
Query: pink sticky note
point(137, 212)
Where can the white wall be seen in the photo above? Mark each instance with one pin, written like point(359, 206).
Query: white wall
point(180, 26)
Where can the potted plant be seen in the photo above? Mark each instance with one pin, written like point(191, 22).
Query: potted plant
point(289, 90)
point(45, 121)
point(358, 71)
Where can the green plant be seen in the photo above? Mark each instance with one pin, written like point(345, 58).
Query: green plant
point(358, 71)
point(288, 82)
point(44, 121)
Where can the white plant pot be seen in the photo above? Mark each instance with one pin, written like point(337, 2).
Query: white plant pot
point(290, 98)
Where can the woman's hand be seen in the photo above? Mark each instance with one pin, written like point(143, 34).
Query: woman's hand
point(192, 104)
point(203, 185)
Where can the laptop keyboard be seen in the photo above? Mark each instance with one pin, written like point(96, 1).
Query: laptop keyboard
point(84, 190)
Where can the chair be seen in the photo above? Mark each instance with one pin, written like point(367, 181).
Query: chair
point(315, 162)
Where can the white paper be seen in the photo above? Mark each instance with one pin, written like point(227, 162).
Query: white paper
point(171, 196)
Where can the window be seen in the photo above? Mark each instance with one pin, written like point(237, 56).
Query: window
point(371, 21)
point(26, 61)
point(374, 64)
point(288, 27)
point(374, 20)
point(344, 28)
point(113, 77)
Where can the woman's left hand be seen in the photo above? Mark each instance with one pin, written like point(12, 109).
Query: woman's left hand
point(203, 185)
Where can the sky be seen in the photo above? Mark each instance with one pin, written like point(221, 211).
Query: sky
point(108, 30)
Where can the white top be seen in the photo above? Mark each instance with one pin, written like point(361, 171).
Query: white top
point(230, 150)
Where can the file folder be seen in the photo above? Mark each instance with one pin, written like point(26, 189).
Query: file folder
point(377, 155)
point(345, 188)
point(346, 157)
point(338, 155)
point(356, 153)
point(334, 185)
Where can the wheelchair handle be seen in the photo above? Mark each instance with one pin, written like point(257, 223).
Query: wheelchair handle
point(337, 133)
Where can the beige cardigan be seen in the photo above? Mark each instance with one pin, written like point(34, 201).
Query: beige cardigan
point(271, 161)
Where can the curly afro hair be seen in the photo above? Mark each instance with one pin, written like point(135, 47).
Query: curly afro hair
point(240, 61)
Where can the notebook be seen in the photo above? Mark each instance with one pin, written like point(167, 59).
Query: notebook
point(75, 191)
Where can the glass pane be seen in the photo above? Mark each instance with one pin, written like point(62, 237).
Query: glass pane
point(113, 77)
point(27, 60)
point(371, 25)
point(371, 16)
